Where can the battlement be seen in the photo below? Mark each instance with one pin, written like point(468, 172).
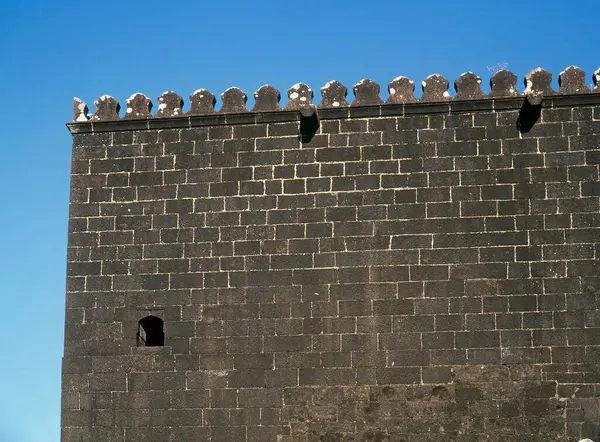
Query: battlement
point(503, 84)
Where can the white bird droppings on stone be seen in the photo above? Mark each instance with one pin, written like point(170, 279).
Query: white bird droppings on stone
point(162, 106)
point(302, 98)
point(294, 95)
point(446, 94)
point(392, 91)
point(336, 104)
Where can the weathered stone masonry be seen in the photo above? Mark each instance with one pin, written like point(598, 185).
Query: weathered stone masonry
point(413, 270)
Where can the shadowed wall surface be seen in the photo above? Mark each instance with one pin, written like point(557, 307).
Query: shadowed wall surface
point(412, 270)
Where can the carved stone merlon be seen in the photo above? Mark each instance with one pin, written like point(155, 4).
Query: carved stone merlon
point(169, 105)
point(435, 88)
point(596, 80)
point(402, 90)
point(266, 98)
point(468, 87)
point(572, 81)
point(202, 102)
point(138, 106)
point(504, 84)
point(80, 110)
point(366, 92)
point(300, 95)
point(234, 101)
point(334, 94)
point(537, 86)
point(107, 109)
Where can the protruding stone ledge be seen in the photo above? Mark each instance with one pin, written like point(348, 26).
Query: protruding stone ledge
point(367, 94)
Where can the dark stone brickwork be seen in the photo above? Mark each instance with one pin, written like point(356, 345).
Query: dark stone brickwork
point(414, 272)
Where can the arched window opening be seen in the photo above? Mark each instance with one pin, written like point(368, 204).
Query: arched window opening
point(150, 332)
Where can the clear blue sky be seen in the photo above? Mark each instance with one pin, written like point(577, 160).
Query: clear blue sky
point(51, 51)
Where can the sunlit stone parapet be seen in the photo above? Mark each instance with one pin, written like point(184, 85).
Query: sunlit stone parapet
point(538, 85)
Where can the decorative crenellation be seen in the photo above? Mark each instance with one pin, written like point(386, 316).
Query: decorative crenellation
point(503, 84)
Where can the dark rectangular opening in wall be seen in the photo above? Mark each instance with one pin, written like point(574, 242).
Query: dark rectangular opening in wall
point(150, 332)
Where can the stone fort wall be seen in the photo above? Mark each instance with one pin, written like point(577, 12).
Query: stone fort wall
point(408, 270)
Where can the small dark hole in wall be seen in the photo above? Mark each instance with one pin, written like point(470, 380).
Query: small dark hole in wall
point(150, 332)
